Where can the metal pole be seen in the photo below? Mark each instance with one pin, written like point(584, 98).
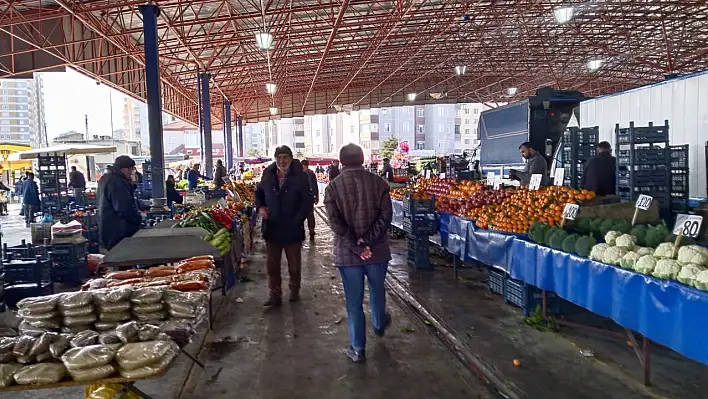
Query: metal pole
point(200, 116)
point(150, 13)
point(239, 127)
point(229, 137)
point(110, 102)
point(206, 104)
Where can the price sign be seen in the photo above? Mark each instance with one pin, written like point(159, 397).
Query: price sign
point(497, 182)
point(644, 202)
point(442, 175)
point(688, 225)
point(570, 211)
point(490, 178)
point(535, 181)
point(427, 174)
point(559, 177)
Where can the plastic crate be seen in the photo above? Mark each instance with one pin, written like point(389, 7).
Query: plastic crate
point(420, 263)
point(679, 182)
point(587, 135)
point(636, 178)
point(420, 225)
point(642, 134)
point(418, 243)
point(26, 271)
point(70, 275)
point(66, 256)
point(528, 297)
point(24, 250)
point(496, 281)
point(211, 194)
point(641, 156)
point(17, 292)
point(679, 156)
point(415, 207)
point(52, 160)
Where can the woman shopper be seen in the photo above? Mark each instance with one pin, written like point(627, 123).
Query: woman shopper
point(359, 208)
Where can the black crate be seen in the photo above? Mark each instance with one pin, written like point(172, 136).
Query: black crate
point(52, 160)
point(642, 156)
point(420, 225)
point(680, 205)
point(496, 281)
point(415, 207)
point(420, 264)
point(17, 292)
point(528, 297)
point(67, 256)
point(658, 177)
point(586, 135)
point(24, 250)
point(643, 134)
point(26, 270)
point(679, 181)
point(679, 156)
point(70, 275)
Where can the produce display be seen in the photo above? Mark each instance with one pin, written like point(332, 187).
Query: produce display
point(245, 191)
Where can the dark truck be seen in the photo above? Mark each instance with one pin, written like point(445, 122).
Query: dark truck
point(540, 119)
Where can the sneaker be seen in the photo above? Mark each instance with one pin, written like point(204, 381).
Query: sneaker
point(381, 332)
point(355, 355)
point(294, 296)
point(273, 301)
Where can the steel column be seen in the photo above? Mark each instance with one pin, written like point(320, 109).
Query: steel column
point(228, 143)
point(154, 99)
point(206, 106)
point(200, 117)
point(239, 127)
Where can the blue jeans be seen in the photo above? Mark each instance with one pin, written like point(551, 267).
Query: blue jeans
point(353, 281)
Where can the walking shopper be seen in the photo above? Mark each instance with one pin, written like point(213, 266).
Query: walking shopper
point(283, 200)
point(30, 198)
point(359, 208)
point(118, 215)
point(77, 182)
point(315, 191)
point(333, 170)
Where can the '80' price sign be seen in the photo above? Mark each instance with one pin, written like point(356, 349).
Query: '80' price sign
point(688, 225)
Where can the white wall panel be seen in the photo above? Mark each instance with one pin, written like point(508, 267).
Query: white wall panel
point(683, 102)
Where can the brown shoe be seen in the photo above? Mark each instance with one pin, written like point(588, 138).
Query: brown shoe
point(273, 301)
point(294, 296)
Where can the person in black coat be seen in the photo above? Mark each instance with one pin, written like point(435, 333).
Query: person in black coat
point(387, 172)
point(333, 170)
point(284, 200)
point(170, 191)
point(315, 191)
point(600, 171)
point(118, 215)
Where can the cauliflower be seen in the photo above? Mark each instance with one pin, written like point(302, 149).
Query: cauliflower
point(626, 240)
point(664, 250)
point(691, 254)
point(611, 237)
point(701, 281)
point(629, 260)
point(645, 264)
point(597, 251)
point(688, 274)
point(613, 255)
point(641, 251)
point(666, 268)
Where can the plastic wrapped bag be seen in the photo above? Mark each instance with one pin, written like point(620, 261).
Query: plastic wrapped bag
point(154, 318)
point(79, 320)
point(128, 332)
point(7, 357)
point(147, 308)
point(136, 355)
point(77, 311)
point(25, 359)
point(76, 329)
point(179, 331)
point(7, 344)
point(42, 343)
point(7, 372)
point(153, 369)
point(148, 332)
point(93, 374)
point(40, 304)
point(84, 338)
point(108, 338)
point(75, 300)
point(97, 284)
point(40, 374)
point(43, 357)
point(115, 317)
point(28, 329)
point(50, 324)
point(88, 356)
point(57, 348)
point(190, 298)
point(7, 332)
point(108, 295)
point(147, 295)
point(29, 315)
point(23, 345)
point(105, 325)
point(114, 307)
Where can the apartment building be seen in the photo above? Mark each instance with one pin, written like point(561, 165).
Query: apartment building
point(469, 125)
point(22, 110)
point(135, 121)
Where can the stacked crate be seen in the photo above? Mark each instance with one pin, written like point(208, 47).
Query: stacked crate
point(53, 182)
point(69, 263)
point(24, 273)
point(679, 178)
point(579, 145)
point(644, 163)
point(419, 223)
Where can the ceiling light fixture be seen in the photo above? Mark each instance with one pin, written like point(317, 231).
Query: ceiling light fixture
point(511, 91)
point(411, 96)
point(271, 88)
point(460, 70)
point(264, 40)
point(563, 15)
point(594, 65)
point(273, 110)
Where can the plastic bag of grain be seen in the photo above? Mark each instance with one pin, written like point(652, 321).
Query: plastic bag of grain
point(140, 354)
point(147, 295)
point(75, 300)
point(40, 374)
point(7, 374)
point(39, 305)
point(84, 338)
point(89, 356)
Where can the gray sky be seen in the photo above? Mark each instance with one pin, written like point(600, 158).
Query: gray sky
point(68, 96)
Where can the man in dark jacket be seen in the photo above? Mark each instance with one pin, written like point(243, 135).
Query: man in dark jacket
point(77, 182)
point(359, 208)
point(193, 177)
point(535, 164)
point(333, 170)
point(387, 172)
point(315, 190)
point(283, 200)
point(600, 171)
point(118, 215)
point(30, 198)
point(219, 174)
point(170, 191)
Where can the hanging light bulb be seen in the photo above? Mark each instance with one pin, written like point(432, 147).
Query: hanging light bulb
point(264, 40)
point(511, 91)
point(273, 110)
point(411, 96)
point(271, 88)
point(460, 70)
point(594, 65)
point(563, 15)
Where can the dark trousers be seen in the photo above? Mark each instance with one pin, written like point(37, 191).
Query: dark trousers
point(311, 222)
point(293, 253)
point(29, 213)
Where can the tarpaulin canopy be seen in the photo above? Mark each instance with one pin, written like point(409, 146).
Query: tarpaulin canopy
point(320, 160)
point(258, 160)
point(63, 149)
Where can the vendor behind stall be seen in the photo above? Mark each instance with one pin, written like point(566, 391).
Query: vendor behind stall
point(118, 215)
point(535, 164)
point(599, 173)
point(193, 177)
point(170, 191)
